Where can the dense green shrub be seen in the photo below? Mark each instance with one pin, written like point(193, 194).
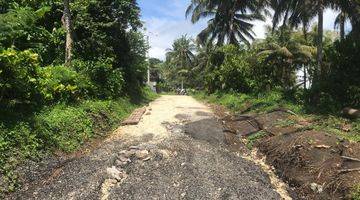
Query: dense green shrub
point(343, 81)
point(18, 76)
point(60, 127)
point(47, 106)
point(229, 70)
point(60, 83)
point(107, 81)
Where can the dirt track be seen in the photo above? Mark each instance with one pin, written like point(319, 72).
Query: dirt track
point(177, 151)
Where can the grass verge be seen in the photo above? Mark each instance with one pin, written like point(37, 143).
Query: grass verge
point(260, 103)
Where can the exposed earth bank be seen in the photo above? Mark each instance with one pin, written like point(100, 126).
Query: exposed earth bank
point(179, 150)
point(318, 165)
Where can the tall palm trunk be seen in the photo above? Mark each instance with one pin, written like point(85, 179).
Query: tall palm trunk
point(68, 27)
point(305, 76)
point(342, 25)
point(320, 38)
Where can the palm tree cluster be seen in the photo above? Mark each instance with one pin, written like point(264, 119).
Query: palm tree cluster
point(181, 57)
point(231, 21)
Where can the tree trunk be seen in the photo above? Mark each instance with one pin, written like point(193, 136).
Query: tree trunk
point(342, 26)
point(304, 29)
point(305, 77)
point(320, 38)
point(68, 27)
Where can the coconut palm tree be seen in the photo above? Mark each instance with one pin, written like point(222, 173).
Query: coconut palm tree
point(286, 54)
point(340, 23)
point(229, 21)
point(349, 9)
point(181, 57)
point(301, 12)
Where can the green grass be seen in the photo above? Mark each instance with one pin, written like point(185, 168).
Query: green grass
point(355, 193)
point(335, 125)
point(26, 134)
point(258, 103)
point(253, 138)
point(261, 103)
point(285, 123)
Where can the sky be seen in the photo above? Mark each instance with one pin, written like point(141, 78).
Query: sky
point(165, 21)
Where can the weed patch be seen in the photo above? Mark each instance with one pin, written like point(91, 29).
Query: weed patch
point(253, 138)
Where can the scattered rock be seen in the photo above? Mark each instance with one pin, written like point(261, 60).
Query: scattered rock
point(122, 158)
point(323, 146)
point(142, 154)
point(316, 188)
point(177, 130)
point(116, 174)
point(147, 158)
point(164, 154)
point(105, 188)
point(134, 147)
point(120, 163)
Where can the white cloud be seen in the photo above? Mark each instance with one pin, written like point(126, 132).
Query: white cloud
point(162, 33)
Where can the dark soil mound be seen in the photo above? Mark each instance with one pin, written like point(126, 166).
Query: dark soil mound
point(307, 160)
point(317, 164)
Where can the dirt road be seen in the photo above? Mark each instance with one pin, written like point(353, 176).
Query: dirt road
point(177, 151)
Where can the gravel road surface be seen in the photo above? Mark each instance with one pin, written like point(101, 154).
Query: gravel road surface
point(177, 151)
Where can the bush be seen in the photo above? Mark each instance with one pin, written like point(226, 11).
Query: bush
point(18, 76)
point(229, 70)
point(63, 127)
point(63, 84)
point(108, 82)
point(343, 82)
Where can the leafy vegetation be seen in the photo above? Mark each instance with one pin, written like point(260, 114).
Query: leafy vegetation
point(63, 127)
point(69, 71)
point(85, 61)
point(355, 194)
point(253, 138)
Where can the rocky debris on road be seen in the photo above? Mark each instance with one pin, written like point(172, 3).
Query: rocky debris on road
point(116, 173)
point(175, 128)
point(316, 188)
point(142, 154)
point(166, 163)
point(132, 155)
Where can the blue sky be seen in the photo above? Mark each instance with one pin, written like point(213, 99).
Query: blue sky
point(165, 21)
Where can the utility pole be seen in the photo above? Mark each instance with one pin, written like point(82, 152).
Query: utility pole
point(148, 58)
